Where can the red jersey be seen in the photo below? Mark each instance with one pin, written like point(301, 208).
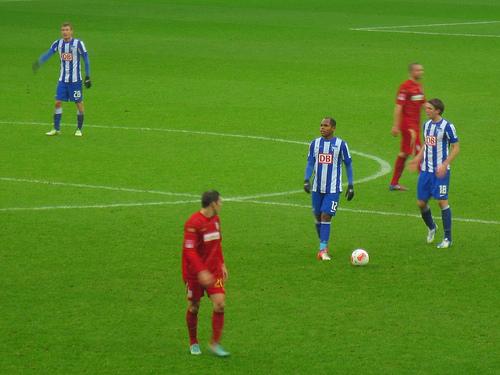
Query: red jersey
point(202, 249)
point(411, 97)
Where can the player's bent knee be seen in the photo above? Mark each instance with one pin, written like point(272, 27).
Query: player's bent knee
point(443, 203)
point(219, 307)
point(193, 307)
point(325, 217)
point(218, 302)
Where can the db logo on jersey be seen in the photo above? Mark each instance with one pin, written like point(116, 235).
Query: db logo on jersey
point(430, 140)
point(67, 56)
point(325, 158)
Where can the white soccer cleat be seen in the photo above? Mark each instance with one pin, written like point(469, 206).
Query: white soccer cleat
point(323, 255)
point(78, 133)
point(431, 234)
point(53, 132)
point(195, 349)
point(445, 244)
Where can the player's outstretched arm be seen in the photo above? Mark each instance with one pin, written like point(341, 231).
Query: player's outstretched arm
point(42, 59)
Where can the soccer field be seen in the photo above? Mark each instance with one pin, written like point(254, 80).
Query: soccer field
point(199, 94)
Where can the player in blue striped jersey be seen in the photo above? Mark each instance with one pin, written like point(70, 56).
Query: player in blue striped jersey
point(69, 87)
point(440, 149)
point(324, 161)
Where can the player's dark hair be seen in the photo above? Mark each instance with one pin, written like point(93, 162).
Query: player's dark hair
point(209, 197)
point(412, 65)
point(331, 121)
point(438, 104)
point(64, 24)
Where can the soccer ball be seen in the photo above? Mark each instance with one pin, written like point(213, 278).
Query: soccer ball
point(359, 257)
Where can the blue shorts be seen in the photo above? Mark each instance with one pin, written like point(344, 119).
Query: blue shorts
point(69, 91)
point(429, 185)
point(325, 203)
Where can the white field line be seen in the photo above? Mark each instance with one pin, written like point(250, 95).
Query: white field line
point(102, 187)
point(426, 25)
point(111, 205)
point(164, 130)
point(243, 199)
point(384, 169)
point(372, 212)
point(266, 203)
point(133, 190)
point(258, 196)
point(396, 29)
point(433, 33)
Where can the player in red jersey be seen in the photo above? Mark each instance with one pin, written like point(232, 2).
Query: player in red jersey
point(203, 270)
point(409, 102)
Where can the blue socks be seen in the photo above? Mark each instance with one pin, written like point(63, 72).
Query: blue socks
point(57, 118)
point(324, 234)
point(427, 216)
point(446, 215)
point(79, 118)
point(318, 227)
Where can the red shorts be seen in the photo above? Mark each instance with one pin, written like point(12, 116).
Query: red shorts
point(195, 290)
point(407, 146)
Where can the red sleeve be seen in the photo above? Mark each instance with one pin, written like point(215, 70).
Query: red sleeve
point(402, 95)
point(221, 255)
point(191, 235)
point(220, 243)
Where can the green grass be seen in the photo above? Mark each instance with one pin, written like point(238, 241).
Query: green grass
point(99, 290)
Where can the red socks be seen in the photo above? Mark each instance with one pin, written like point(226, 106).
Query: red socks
point(192, 324)
point(399, 166)
point(217, 325)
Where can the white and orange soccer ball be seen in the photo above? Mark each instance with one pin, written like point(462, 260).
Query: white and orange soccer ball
point(359, 257)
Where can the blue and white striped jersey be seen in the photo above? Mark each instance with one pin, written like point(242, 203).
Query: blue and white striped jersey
point(327, 156)
point(438, 137)
point(70, 53)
